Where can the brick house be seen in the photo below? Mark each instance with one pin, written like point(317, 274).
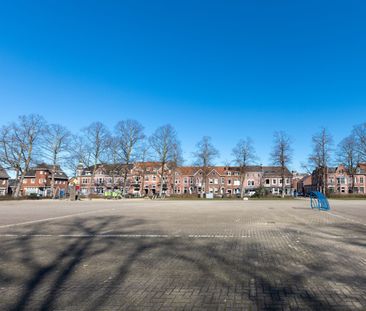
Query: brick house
point(340, 181)
point(4, 182)
point(304, 185)
point(147, 177)
point(360, 179)
point(38, 181)
point(106, 177)
point(144, 178)
point(226, 180)
point(272, 180)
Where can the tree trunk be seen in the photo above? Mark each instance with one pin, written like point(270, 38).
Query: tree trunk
point(17, 189)
point(324, 180)
point(124, 183)
point(283, 182)
point(92, 182)
point(53, 181)
point(161, 179)
point(242, 183)
point(16, 182)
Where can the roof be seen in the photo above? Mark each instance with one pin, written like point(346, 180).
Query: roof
point(362, 167)
point(107, 168)
point(274, 171)
point(187, 170)
point(268, 171)
point(3, 173)
point(60, 174)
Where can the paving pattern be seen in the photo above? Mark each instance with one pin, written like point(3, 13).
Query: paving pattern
point(182, 255)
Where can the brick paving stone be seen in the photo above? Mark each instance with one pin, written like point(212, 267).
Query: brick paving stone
point(182, 255)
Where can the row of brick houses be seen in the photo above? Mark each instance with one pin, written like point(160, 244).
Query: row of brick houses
point(145, 179)
point(340, 181)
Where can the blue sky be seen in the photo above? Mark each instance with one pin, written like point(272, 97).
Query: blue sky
point(227, 69)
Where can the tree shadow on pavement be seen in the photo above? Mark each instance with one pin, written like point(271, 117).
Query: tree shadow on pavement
point(89, 271)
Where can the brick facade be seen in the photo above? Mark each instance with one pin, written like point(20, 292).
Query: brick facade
point(38, 181)
point(145, 179)
point(341, 181)
point(4, 182)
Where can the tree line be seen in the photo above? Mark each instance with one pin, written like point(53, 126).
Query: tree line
point(32, 139)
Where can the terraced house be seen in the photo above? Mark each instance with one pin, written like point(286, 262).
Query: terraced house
point(146, 179)
point(138, 179)
point(341, 181)
point(4, 182)
point(37, 181)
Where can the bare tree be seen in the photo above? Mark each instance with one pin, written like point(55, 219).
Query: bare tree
point(96, 139)
point(177, 160)
point(359, 133)
point(244, 155)
point(129, 133)
point(348, 154)
point(282, 154)
point(163, 142)
point(114, 160)
point(321, 156)
point(56, 144)
point(205, 155)
point(79, 154)
point(143, 156)
point(19, 142)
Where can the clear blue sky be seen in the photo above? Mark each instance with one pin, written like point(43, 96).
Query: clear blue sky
point(226, 69)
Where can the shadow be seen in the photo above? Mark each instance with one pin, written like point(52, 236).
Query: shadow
point(80, 267)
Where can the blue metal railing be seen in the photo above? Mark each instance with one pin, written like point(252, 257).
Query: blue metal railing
point(319, 200)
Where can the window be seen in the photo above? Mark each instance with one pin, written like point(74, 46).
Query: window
point(185, 180)
point(154, 178)
point(210, 181)
point(216, 181)
point(228, 173)
point(191, 180)
point(33, 181)
point(287, 181)
point(229, 181)
point(250, 182)
point(84, 181)
point(267, 181)
point(146, 178)
point(361, 180)
point(222, 180)
point(274, 181)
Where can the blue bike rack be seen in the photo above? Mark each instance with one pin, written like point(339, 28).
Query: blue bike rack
point(318, 200)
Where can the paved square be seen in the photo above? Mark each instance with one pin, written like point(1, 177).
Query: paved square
point(182, 255)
